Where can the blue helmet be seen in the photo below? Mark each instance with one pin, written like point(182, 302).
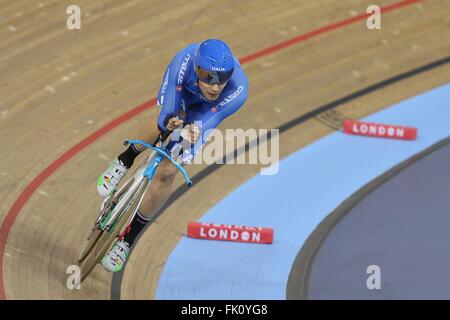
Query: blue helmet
point(213, 61)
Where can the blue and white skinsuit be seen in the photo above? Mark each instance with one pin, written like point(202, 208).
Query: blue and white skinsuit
point(180, 90)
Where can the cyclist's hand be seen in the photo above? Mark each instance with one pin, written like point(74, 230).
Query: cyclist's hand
point(191, 133)
point(174, 123)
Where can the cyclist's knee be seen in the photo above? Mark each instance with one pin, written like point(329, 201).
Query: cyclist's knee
point(166, 171)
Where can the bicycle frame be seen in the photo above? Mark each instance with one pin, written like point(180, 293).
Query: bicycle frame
point(161, 154)
point(142, 178)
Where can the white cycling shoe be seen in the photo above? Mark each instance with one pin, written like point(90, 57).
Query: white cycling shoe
point(114, 260)
point(108, 180)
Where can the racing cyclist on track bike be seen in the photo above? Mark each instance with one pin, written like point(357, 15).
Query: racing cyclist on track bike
point(204, 83)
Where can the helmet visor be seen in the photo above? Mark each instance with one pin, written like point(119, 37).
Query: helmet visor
point(211, 77)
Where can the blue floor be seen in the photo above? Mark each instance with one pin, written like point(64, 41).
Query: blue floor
point(309, 185)
point(402, 228)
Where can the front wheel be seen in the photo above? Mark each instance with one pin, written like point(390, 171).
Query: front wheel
point(95, 233)
point(92, 239)
point(106, 239)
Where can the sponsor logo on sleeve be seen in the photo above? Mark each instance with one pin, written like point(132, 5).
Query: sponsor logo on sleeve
point(232, 96)
point(166, 81)
point(183, 69)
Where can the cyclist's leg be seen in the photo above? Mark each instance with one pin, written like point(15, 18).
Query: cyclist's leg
point(117, 169)
point(161, 186)
point(159, 190)
point(155, 197)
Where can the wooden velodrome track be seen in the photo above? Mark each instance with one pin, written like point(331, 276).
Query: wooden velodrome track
point(59, 86)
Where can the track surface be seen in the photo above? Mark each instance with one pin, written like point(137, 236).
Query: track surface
point(58, 87)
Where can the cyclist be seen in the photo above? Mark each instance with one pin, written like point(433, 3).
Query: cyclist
point(205, 83)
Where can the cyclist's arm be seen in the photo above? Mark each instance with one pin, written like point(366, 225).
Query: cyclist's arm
point(169, 97)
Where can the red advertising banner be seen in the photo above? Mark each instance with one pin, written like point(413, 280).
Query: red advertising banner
point(379, 130)
point(230, 233)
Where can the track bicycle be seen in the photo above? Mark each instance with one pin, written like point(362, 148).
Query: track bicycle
point(119, 209)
